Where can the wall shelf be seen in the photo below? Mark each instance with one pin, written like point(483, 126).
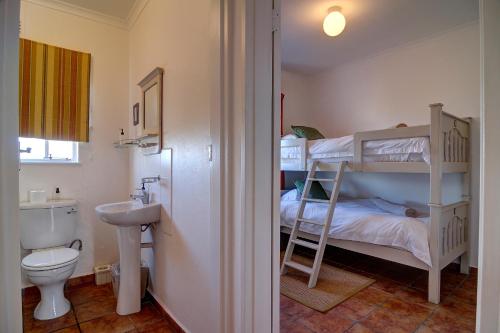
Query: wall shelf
point(147, 136)
point(139, 142)
point(126, 143)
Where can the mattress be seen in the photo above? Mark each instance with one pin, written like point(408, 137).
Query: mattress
point(415, 149)
point(362, 220)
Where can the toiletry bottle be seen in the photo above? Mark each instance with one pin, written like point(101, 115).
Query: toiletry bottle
point(57, 195)
point(121, 136)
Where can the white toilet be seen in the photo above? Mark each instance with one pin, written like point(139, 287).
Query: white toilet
point(46, 228)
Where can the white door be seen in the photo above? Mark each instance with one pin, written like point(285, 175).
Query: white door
point(10, 271)
point(488, 311)
point(276, 163)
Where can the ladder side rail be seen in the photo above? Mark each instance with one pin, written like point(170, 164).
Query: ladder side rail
point(326, 228)
point(296, 226)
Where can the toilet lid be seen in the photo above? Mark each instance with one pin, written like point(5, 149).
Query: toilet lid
point(50, 258)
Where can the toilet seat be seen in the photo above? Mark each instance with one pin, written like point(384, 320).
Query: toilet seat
point(50, 259)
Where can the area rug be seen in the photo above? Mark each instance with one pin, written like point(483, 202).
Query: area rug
point(334, 285)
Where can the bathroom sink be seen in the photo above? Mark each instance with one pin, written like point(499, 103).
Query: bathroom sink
point(128, 216)
point(129, 213)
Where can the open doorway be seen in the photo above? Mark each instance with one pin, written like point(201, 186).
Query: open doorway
point(397, 98)
point(91, 133)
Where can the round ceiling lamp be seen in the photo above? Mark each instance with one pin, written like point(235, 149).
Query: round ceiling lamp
point(334, 22)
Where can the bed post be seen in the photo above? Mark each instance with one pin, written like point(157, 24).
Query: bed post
point(357, 159)
point(436, 172)
point(465, 258)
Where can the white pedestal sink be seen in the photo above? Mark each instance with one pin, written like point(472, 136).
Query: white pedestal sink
point(128, 217)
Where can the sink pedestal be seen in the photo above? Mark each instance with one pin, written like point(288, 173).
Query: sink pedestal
point(128, 216)
point(129, 294)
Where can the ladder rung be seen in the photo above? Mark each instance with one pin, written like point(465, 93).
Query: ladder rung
point(306, 244)
point(311, 222)
point(299, 267)
point(321, 179)
point(316, 200)
point(319, 247)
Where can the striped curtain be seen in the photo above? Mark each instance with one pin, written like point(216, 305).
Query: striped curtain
point(54, 86)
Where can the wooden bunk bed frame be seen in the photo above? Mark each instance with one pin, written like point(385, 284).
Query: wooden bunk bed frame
point(449, 224)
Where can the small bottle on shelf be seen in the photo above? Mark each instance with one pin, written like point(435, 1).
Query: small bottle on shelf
point(121, 136)
point(57, 194)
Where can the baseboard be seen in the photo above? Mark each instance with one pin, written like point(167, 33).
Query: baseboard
point(79, 280)
point(170, 318)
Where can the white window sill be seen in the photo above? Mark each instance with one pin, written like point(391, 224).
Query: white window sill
point(50, 163)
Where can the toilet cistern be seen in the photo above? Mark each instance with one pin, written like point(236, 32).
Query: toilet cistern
point(46, 229)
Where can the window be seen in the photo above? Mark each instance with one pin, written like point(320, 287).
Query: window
point(54, 89)
point(47, 151)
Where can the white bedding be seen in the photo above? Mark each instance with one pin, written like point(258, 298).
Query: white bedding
point(363, 221)
point(394, 150)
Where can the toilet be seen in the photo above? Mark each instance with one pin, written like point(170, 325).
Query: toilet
point(46, 229)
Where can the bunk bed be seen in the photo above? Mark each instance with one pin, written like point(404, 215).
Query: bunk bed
point(438, 148)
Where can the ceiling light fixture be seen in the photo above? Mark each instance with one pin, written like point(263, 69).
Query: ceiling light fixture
point(334, 22)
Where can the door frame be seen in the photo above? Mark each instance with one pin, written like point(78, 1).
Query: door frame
point(249, 296)
point(488, 302)
point(242, 175)
point(276, 238)
point(10, 270)
point(489, 271)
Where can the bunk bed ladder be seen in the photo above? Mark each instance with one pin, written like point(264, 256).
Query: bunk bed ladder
point(319, 247)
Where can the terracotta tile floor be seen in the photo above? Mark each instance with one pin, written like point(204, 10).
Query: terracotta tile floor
point(397, 302)
point(93, 310)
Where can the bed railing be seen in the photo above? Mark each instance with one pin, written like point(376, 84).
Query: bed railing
point(453, 138)
point(360, 138)
point(456, 133)
point(449, 223)
point(453, 232)
point(298, 149)
point(455, 146)
point(449, 138)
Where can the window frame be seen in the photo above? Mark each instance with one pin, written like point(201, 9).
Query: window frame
point(50, 161)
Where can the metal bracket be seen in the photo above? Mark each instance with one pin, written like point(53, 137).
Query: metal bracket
point(276, 19)
point(27, 150)
point(149, 180)
point(210, 153)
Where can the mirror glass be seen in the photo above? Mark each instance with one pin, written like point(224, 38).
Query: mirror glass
point(150, 130)
point(151, 108)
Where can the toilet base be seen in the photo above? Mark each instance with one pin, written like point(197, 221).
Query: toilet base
point(53, 304)
point(51, 282)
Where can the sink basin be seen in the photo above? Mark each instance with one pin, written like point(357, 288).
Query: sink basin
point(128, 216)
point(129, 213)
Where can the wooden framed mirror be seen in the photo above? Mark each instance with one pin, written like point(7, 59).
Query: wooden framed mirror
point(150, 124)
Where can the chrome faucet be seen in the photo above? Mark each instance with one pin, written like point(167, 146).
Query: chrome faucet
point(144, 196)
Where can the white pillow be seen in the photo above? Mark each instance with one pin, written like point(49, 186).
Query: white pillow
point(289, 137)
point(394, 208)
point(290, 196)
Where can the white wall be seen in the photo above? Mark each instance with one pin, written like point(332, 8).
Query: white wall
point(10, 272)
point(102, 175)
point(297, 103)
point(175, 36)
point(397, 86)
